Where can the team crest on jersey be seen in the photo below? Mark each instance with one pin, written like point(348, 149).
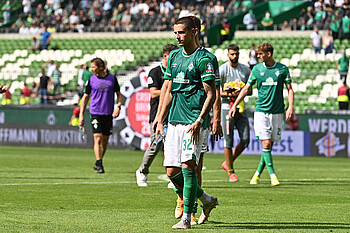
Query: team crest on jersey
point(190, 67)
point(210, 68)
point(269, 82)
point(180, 78)
point(277, 73)
point(149, 80)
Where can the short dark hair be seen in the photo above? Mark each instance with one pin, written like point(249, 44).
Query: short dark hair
point(99, 62)
point(233, 47)
point(168, 48)
point(187, 21)
point(266, 47)
point(197, 22)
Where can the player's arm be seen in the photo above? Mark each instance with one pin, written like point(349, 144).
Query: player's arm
point(155, 92)
point(160, 104)
point(216, 128)
point(116, 112)
point(209, 88)
point(290, 110)
point(84, 101)
point(239, 98)
point(166, 104)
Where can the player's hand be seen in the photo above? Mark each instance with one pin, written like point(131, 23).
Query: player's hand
point(232, 111)
point(217, 130)
point(2, 89)
point(116, 113)
point(195, 130)
point(154, 124)
point(159, 129)
point(81, 120)
point(289, 113)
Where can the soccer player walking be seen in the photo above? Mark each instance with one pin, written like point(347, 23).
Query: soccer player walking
point(155, 82)
point(189, 97)
point(232, 71)
point(270, 77)
point(101, 86)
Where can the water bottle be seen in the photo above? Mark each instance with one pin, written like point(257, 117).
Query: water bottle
point(160, 136)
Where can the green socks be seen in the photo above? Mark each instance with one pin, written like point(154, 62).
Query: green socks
point(178, 181)
point(190, 189)
point(266, 159)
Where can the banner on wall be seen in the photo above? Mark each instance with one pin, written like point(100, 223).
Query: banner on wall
point(329, 144)
point(293, 143)
point(133, 122)
point(53, 136)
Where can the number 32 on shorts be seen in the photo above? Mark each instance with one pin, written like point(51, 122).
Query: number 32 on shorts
point(187, 146)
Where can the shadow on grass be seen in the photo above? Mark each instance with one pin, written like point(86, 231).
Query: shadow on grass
point(277, 225)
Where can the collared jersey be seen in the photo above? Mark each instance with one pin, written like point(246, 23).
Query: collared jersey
point(228, 74)
point(188, 72)
point(270, 81)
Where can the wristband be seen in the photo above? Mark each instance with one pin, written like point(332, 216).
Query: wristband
point(200, 120)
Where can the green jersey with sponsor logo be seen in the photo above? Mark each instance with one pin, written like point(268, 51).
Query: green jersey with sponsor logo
point(187, 73)
point(270, 81)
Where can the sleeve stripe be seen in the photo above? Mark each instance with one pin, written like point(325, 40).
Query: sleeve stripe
point(205, 75)
point(167, 73)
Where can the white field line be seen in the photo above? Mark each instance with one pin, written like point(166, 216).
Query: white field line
point(162, 180)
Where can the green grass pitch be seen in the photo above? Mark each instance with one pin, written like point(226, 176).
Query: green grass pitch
point(56, 190)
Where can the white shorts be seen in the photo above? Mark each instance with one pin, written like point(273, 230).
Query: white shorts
point(178, 146)
point(205, 141)
point(268, 126)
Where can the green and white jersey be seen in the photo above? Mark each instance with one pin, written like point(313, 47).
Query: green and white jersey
point(270, 81)
point(188, 72)
point(215, 64)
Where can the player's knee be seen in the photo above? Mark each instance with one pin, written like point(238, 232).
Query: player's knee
point(244, 142)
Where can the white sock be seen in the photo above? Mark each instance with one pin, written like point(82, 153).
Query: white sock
point(257, 173)
point(205, 198)
point(186, 216)
point(273, 175)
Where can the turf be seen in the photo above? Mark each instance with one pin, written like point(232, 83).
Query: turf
point(56, 190)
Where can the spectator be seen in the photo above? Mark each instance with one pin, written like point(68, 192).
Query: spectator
point(235, 4)
point(318, 5)
point(202, 34)
point(285, 26)
point(35, 46)
point(218, 8)
point(177, 8)
point(86, 74)
point(339, 3)
point(253, 59)
point(56, 79)
point(39, 12)
point(27, 6)
point(80, 76)
point(327, 42)
point(143, 7)
point(23, 30)
point(164, 25)
point(25, 95)
point(18, 23)
point(134, 8)
point(184, 12)
point(335, 25)
point(43, 88)
point(249, 20)
point(294, 24)
point(84, 4)
point(74, 120)
point(33, 29)
point(165, 7)
point(316, 39)
point(320, 15)
point(225, 30)
point(346, 27)
point(45, 38)
point(7, 100)
point(126, 21)
point(6, 12)
point(50, 66)
point(343, 67)
point(267, 21)
point(343, 97)
point(210, 9)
